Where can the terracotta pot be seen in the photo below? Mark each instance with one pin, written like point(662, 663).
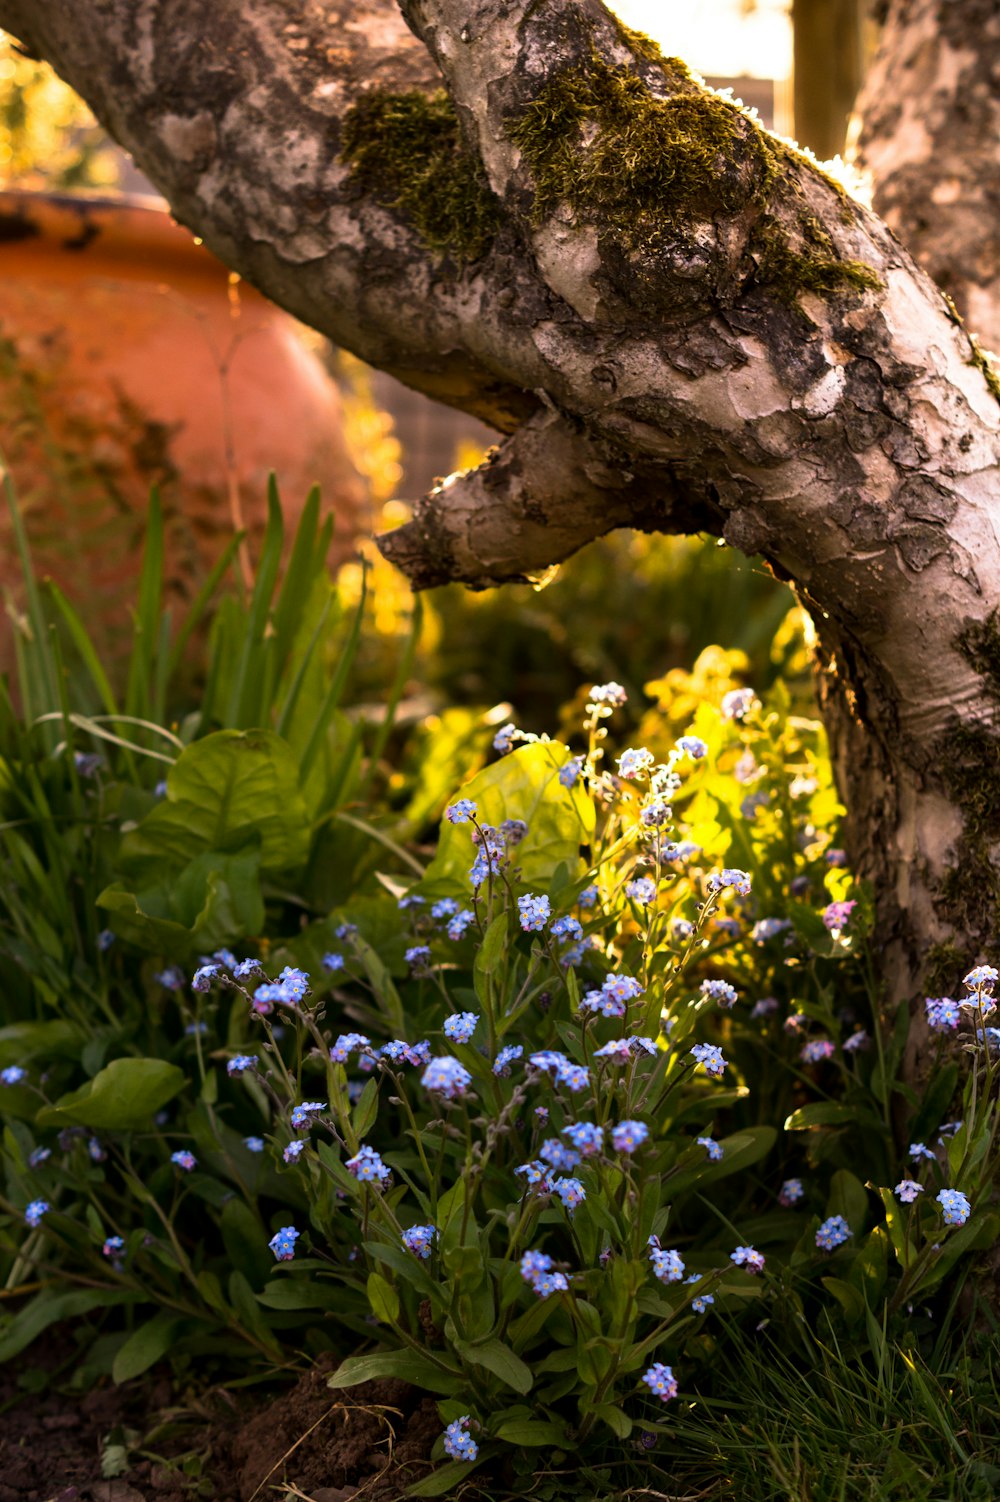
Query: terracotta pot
point(128, 356)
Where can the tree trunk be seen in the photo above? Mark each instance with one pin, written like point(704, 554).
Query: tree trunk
point(931, 127)
point(828, 67)
point(681, 321)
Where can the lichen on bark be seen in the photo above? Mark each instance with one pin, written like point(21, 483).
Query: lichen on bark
point(407, 151)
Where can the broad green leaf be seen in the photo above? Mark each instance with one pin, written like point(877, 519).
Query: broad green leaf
point(822, 1113)
point(125, 1094)
point(229, 790)
point(531, 1432)
point(616, 1419)
point(524, 785)
point(738, 1152)
point(214, 901)
point(408, 1366)
point(22, 1041)
point(49, 1307)
point(498, 1359)
point(491, 949)
point(848, 1297)
point(366, 1109)
point(246, 1242)
point(302, 1293)
point(445, 1479)
point(383, 1298)
point(848, 1197)
point(145, 1347)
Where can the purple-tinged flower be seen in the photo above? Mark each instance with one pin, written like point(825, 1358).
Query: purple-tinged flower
point(332, 962)
point(367, 1166)
point(982, 978)
point(569, 772)
point(768, 928)
point(586, 1137)
point(534, 912)
point(171, 978)
point(642, 890)
point(628, 1135)
point(832, 1233)
point(34, 1212)
point(588, 898)
point(856, 1042)
point(693, 746)
point(682, 851)
point(918, 1150)
point(446, 908)
point(837, 914)
point(765, 1007)
point(635, 761)
point(710, 1058)
point(730, 876)
point(513, 831)
point(446, 1077)
point(418, 958)
point(535, 1174)
point(240, 1062)
point(282, 1243)
point(661, 1381)
point(557, 1155)
point(419, 1240)
point(942, 1014)
point(575, 1077)
point(567, 928)
point(621, 988)
point(95, 1151)
point(719, 991)
point(570, 1191)
point(738, 703)
point(458, 1442)
point(949, 1129)
point(294, 1150)
point(183, 1159)
point(701, 1302)
point(536, 1271)
point(456, 928)
point(791, 1192)
point(836, 858)
point(196, 1029)
point(748, 1259)
point(13, 1075)
point(461, 811)
point(113, 1247)
point(506, 1057)
point(346, 1044)
point(816, 1050)
point(713, 1149)
point(105, 939)
point(503, 742)
point(955, 1207)
point(907, 1190)
point(253, 1144)
point(203, 977)
point(607, 693)
point(38, 1155)
point(460, 1026)
point(300, 1116)
point(668, 1266)
point(243, 969)
point(795, 1022)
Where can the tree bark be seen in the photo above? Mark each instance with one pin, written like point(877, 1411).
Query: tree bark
point(682, 322)
point(931, 125)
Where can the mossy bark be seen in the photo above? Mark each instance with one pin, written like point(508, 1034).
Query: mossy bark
point(683, 324)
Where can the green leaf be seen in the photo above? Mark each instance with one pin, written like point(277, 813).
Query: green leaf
point(408, 1366)
point(848, 1297)
point(491, 949)
point(125, 1094)
point(48, 1307)
point(823, 1113)
point(246, 1242)
point(498, 1359)
point(616, 1419)
point(524, 785)
point(383, 1298)
point(445, 1479)
point(144, 1347)
point(366, 1109)
point(302, 1293)
point(215, 900)
point(531, 1432)
point(229, 790)
point(739, 1152)
point(848, 1197)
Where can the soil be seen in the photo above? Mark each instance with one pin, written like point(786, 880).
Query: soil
point(369, 1442)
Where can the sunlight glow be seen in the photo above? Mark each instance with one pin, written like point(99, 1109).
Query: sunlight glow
point(721, 38)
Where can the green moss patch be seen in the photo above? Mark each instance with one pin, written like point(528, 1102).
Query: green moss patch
point(407, 151)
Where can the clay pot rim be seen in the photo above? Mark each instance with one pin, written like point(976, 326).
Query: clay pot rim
point(131, 228)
